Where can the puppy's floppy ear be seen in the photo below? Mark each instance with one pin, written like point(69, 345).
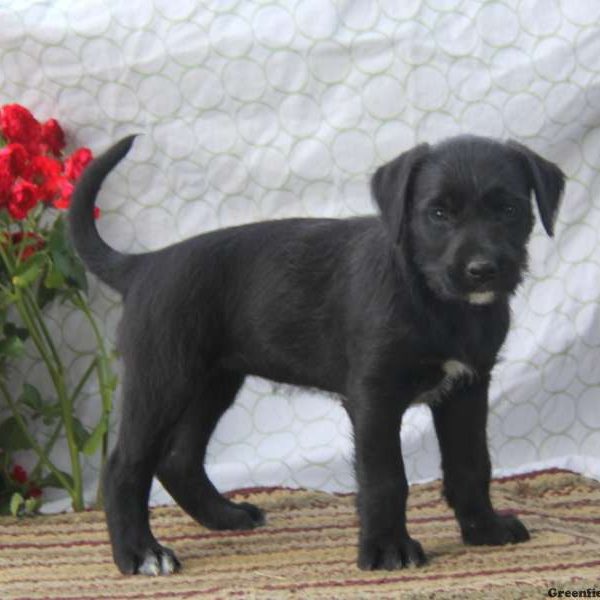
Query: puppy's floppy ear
point(390, 187)
point(545, 179)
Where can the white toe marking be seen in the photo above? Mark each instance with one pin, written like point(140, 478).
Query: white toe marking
point(455, 369)
point(150, 566)
point(167, 564)
point(481, 298)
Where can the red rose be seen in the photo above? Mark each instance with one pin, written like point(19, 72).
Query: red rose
point(6, 180)
point(15, 157)
point(77, 162)
point(53, 137)
point(25, 195)
point(46, 173)
point(46, 167)
point(19, 125)
point(31, 165)
point(65, 188)
point(19, 474)
point(62, 203)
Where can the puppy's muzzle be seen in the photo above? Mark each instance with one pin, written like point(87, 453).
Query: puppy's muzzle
point(480, 271)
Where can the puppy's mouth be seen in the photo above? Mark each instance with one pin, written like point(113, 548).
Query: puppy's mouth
point(489, 293)
point(473, 281)
point(484, 295)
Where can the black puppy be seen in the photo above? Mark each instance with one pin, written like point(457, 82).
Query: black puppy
point(384, 311)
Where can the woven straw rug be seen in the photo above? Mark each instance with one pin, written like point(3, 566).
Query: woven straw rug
point(307, 550)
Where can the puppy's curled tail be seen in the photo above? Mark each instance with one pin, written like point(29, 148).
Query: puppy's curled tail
point(109, 265)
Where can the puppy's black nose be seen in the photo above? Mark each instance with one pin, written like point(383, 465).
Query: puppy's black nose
point(481, 270)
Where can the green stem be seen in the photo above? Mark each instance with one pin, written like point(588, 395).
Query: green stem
point(32, 317)
point(52, 439)
point(46, 449)
point(5, 258)
point(103, 376)
point(83, 380)
point(33, 320)
point(32, 327)
point(33, 307)
point(104, 384)
point(32, 441)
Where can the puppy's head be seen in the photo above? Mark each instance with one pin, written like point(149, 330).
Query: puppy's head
point(461, 211)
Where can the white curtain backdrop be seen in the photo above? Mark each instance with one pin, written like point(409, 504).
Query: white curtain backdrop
point(265, 109)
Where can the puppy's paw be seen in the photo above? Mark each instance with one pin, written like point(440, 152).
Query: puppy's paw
point(257, 515)
point(390, 554)
point(157, 560)
point(238, 517)
point(493, 530)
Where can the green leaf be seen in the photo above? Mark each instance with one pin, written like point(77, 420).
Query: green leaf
point(31, 397)
point(16, 502)
point(51, 480)
point(12, 346)
point(93, 442)
point(31, 505)
point(64, 259)
point(57, 235)
point(80, 277)
point(5, 218)
point(54, 278)
point(70, 268)
point(61, 262)
point(12, 437)
point(29, 271)
point(50, 412)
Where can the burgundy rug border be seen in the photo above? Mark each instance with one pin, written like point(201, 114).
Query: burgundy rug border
point(247, 491)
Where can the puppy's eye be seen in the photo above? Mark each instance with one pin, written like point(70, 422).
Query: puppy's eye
point(508, 210)
point(439, 214)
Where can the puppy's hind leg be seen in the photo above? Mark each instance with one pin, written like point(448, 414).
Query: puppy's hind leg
point(181, 468)
point(127, 479)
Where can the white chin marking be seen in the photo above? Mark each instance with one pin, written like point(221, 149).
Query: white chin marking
point(482, 297)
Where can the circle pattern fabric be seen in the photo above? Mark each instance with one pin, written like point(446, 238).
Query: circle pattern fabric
point(260, 109)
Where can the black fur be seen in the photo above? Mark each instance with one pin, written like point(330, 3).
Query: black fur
point(371, 309)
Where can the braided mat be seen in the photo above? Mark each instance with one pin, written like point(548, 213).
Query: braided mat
point(307, 550)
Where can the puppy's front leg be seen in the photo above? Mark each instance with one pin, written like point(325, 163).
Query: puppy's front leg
point(384, 542)
point(460, 422)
